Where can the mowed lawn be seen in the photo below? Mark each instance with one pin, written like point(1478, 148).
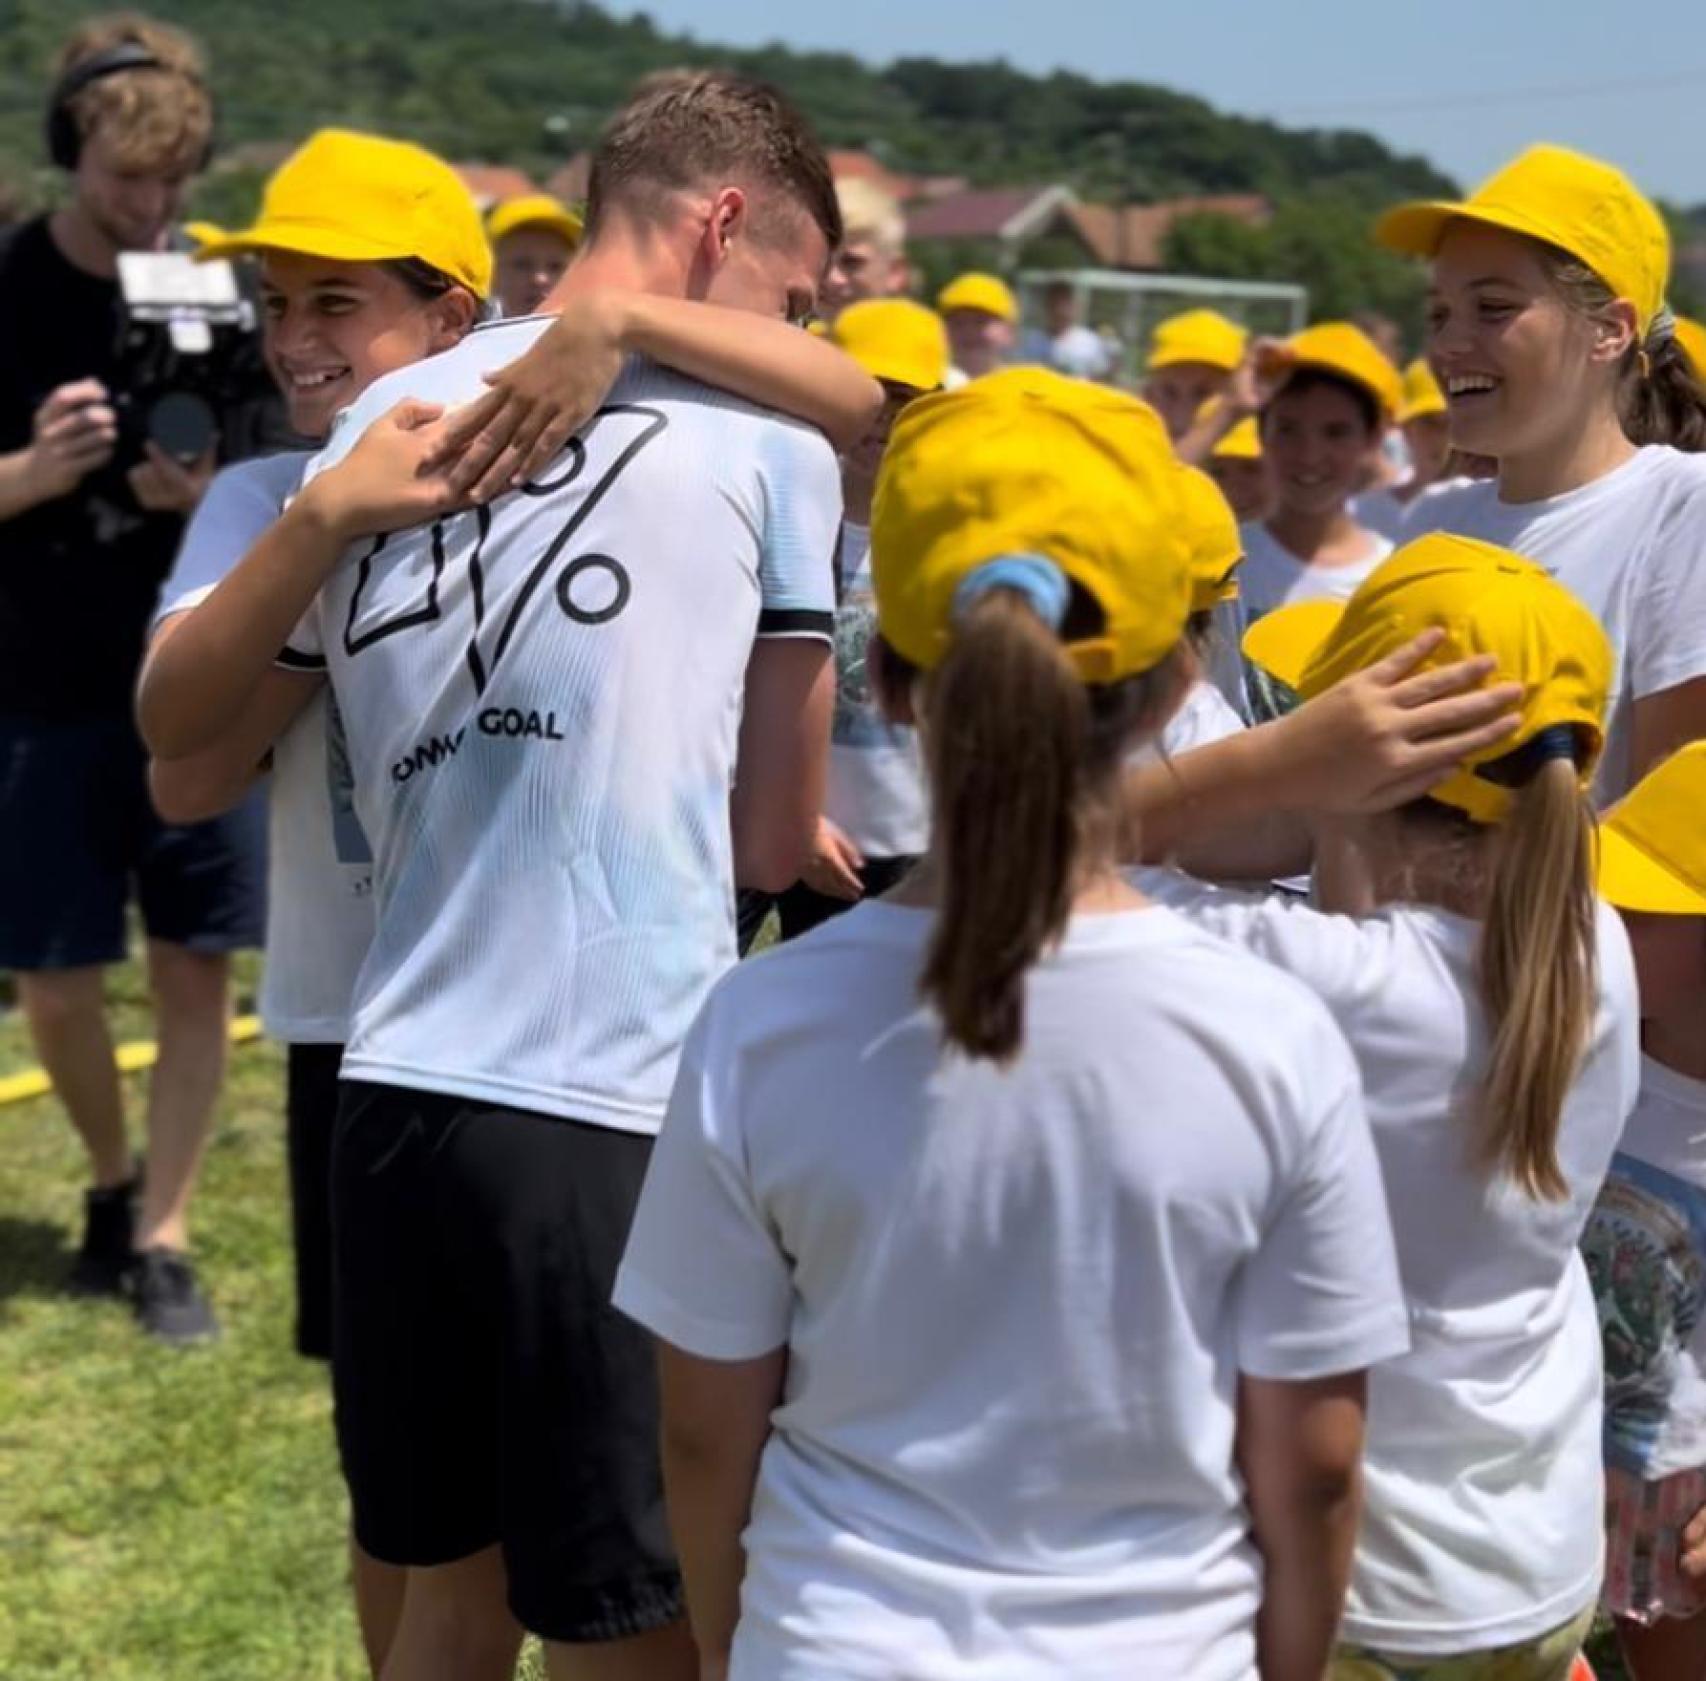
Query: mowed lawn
point(169, 1515)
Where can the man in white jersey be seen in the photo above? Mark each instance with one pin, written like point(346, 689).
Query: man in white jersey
point(576, 718)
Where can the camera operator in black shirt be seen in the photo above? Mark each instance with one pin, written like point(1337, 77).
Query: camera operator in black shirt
point(93, 497)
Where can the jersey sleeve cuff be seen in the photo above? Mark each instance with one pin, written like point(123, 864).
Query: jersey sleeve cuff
point(294, 659)
point(811, 623)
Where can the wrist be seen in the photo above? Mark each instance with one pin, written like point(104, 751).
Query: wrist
point(319, 514)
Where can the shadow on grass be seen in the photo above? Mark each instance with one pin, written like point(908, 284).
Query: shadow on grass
point(34, 1258)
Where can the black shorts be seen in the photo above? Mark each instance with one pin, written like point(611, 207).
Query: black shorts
point(78, 836)
point(487, 1392)
point(310, 1119)
point(802, 908)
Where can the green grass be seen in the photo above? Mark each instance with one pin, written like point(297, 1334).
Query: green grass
point(171, 1516)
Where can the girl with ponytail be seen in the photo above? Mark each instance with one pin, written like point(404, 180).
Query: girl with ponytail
point(1549, 332)
point(1015, 1251)
point(1490, 1000)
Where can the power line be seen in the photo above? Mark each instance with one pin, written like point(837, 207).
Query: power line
point(1497, 96)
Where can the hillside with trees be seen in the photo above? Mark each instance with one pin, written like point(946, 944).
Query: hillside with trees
point(528, 82)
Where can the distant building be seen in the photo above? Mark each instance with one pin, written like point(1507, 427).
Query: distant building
point(492, 183)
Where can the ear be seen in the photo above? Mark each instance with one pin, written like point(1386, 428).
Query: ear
point(725, 221)
point(452, 314)
point(1614, 332)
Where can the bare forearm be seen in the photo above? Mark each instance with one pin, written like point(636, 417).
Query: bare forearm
point(1306, 1570)
point(710, 1499)
point(20, 486)
point(766, 361)
point(1177, 807)
point(203, 675)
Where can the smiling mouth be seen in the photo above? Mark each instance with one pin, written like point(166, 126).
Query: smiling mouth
point(316, 380)
point(1463, 386)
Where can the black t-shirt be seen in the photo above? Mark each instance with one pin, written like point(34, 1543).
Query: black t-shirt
point(79, 575)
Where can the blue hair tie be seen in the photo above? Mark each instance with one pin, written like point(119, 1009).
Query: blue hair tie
point(1557, 741)
point(1038, 579)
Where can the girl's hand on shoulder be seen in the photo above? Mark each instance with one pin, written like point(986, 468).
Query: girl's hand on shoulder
point(537, 402)
point(387, 481)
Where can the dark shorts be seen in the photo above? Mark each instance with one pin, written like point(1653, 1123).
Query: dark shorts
point(310, 1119)
point(78, 838)
point(801, 908)
point(487, 1392)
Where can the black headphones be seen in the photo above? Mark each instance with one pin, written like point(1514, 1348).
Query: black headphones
point(64, 141)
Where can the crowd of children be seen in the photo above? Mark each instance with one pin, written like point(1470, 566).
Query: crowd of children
point(1212, 1181)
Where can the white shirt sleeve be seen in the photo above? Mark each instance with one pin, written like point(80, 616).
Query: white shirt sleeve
point(703, 1269)
point(1667, 621)
point(802, 527)
point(1322, 1294)
point(240, 503)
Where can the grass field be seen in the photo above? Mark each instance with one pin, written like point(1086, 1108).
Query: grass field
point(164, 1515)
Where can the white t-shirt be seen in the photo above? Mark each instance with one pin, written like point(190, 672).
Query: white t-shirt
point(1272, 576)
point(1646, 1249)
point(1482, 1519)
point(1381, 511)
point(1632, 545)
point(1080, 351)
point(1203, 716)
point(876, 789)
point(1016, 1300)
point(542, 700)
point(319, 866)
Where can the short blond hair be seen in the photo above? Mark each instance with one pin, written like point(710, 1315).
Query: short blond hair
point(868, 213)
point(156, 118)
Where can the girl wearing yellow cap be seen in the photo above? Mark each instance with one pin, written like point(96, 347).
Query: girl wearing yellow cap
point(1490, 1001)
point(1548, 329)
point(1646, 1243)
point(1333, 398)
point(1013, 1250)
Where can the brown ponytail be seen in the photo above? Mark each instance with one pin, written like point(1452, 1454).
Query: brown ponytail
point(1022, 757)
point(1537, 975)
point(1660, 398)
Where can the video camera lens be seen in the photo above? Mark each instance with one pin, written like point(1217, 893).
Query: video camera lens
point(182, 425)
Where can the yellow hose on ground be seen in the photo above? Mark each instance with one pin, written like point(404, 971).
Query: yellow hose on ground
point(131, 1059)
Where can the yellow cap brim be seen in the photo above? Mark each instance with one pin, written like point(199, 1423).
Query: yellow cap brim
point(567, 227)
point(1634, 880)
point(1415, 230)
point(1420, 411)
point(1284, 641)
point(304, 239)
point(895, 369)
point(1191, 357)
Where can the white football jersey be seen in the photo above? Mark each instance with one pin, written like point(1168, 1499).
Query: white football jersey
point(542, 700)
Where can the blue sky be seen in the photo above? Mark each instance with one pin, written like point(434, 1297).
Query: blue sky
point(1466, 82)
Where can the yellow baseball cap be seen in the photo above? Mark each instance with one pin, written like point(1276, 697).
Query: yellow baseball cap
point(1652, 845)
point(1029, 465)
point(1565, 199)
point(988, 292)
point(1338, 347)
point(1488, 601)
point(1211, 530)
point(203, 233)
point(1422, 395)
point(361, 199)
point(1242, 442)
point(1692, 337)
point(1199, 335)
point(895, 339)
point(535, 210)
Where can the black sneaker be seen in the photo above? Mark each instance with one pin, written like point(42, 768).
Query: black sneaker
point(169, 1304)
point(108, 1251)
